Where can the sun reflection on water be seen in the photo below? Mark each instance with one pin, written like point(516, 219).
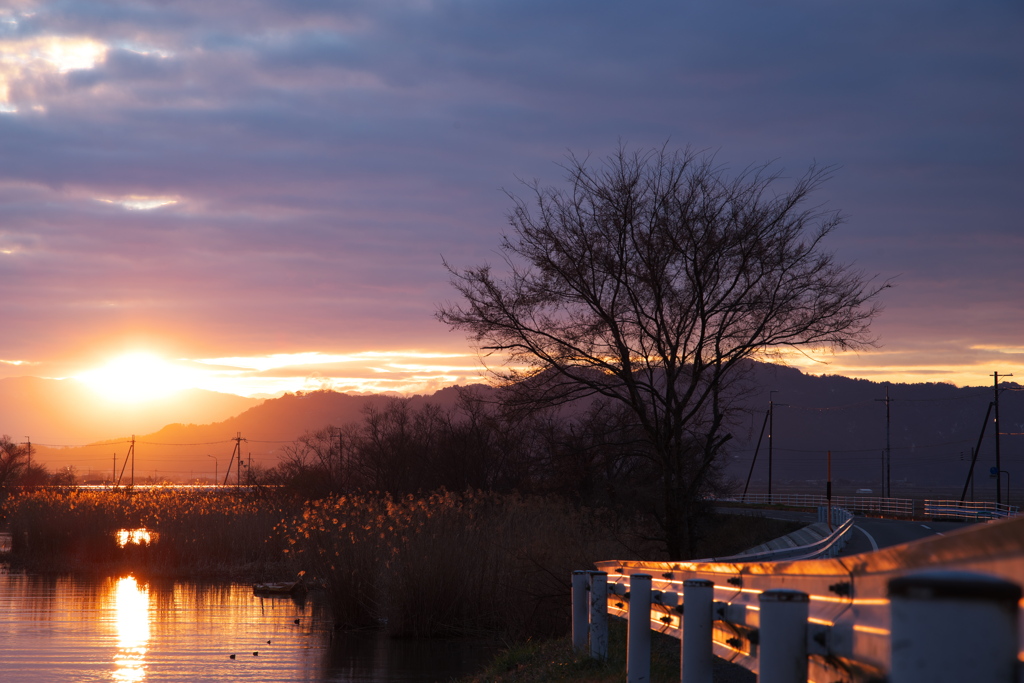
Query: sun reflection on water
point(135, 537)
point(131, 606)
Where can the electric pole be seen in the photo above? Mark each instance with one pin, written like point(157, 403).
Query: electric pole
point(236, 452)
point(887, 464)
point(999, 465)
point(771, 430)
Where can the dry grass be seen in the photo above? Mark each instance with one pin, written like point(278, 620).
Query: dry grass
point(454, 563)
point(199, 532)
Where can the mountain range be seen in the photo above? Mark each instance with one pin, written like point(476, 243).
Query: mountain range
point(931, 429)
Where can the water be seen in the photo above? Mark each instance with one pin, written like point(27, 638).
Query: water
point(126, 630)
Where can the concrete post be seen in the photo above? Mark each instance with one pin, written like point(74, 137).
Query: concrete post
point(953, 626)
point(599, 615)
point(638, 635)
point(580, 623)
point(698, 619)
point(782, 653)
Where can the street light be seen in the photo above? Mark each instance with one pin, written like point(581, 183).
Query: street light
point(216, 467)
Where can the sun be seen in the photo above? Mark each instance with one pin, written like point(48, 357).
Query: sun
point(137, 377)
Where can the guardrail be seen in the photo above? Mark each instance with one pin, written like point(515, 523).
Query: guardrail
point(957, 509)
point(887, 615)
point(893, 507)
point(830, 546)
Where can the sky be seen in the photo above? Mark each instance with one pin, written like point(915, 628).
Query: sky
point(257, 197)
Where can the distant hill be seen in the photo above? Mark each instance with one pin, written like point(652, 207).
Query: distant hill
point(933, 428)
point(181, 451)
point(67, 412)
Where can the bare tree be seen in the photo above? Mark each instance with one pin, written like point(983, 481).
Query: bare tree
point(649, 280)
point(13, 461)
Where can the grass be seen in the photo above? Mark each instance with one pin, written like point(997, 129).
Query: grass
point(553, 661)
point(213, 534)
point(455, 564)
point(440, 564)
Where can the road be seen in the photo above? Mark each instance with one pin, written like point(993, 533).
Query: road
point(871, 534)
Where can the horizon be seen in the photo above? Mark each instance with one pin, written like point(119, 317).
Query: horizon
point(252, 200)
point(807, 414)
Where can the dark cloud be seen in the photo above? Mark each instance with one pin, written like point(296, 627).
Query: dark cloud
point(321, 156)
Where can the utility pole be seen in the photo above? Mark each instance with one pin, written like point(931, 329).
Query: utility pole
point(771, 431)
point(887, 460)
point(129, 456)
point(236, 452)
point(999, 466)
point(28, 442)
point(828, 490)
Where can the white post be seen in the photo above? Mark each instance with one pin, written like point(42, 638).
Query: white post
point(599, 615)
point(782, 653)
point(638, 635)
point(953, 626)
point(580, 625)
point(698, 619)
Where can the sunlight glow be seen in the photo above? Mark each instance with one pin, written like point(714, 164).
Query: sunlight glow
point(138, 377)
point(131, 607)
point(25, 63)
point(134, 202)
point(284, 360)
point(134, 537)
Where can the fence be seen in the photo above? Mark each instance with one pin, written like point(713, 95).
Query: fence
point(941, 609)
point(956, 509)
point(893, 507)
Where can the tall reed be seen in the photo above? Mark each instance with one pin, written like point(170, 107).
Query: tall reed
point(446, 563)
point(197, 532)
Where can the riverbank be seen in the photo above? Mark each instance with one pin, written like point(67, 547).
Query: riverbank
point(553, 661)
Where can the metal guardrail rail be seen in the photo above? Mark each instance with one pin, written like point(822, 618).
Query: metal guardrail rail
point(957, 509)
point(886, 615)
point(894, 507)
point(830, 546)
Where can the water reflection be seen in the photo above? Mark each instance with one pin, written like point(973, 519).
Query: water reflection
point(131, 607)
point(135, 537)
point(81, 629)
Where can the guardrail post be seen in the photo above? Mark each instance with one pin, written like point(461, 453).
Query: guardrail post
point(953, 626)
point(580, 625)
point(698, 619)
point(638, 635)
point(782, 654)
point(599, 615)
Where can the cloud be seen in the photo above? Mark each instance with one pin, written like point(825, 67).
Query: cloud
point(296, 170)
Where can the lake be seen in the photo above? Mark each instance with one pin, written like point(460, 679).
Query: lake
point(76, 629)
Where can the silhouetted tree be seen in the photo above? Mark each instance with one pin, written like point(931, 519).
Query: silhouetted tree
point(13, 461)
point(647, 281)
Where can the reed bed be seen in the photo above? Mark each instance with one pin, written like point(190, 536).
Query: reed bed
point(437, 564)
point(447, 563)
point(193, 532)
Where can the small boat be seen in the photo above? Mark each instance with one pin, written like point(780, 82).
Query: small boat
point(285, 588)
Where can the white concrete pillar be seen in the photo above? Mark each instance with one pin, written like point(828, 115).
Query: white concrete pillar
point(638, 635)
point(953, 626)
point(698, 619)
point(580, 621)
point(782, 650)
point(599, 615)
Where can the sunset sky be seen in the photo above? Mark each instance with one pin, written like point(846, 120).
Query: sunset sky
point(259, 195)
